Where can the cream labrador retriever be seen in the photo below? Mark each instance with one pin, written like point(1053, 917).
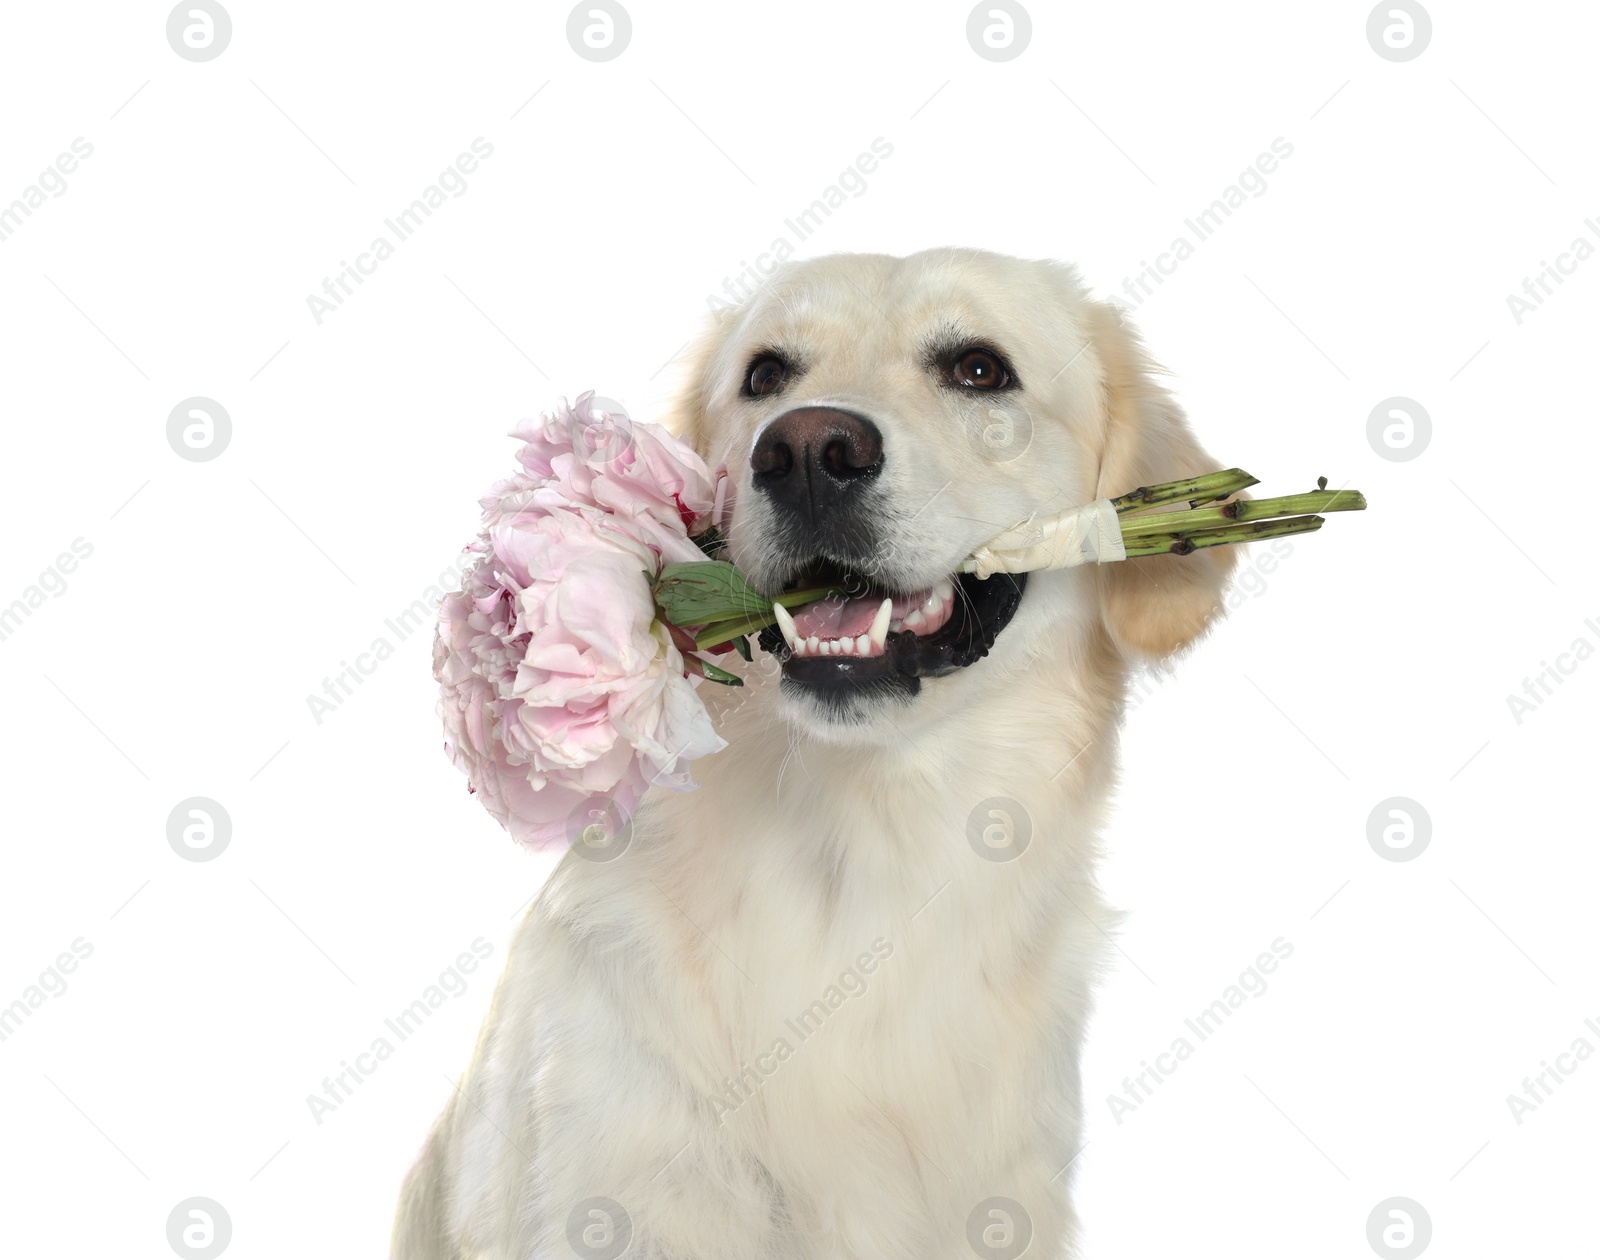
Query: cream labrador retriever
point(830, 1004)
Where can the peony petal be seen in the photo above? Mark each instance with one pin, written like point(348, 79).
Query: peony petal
point(558, 685)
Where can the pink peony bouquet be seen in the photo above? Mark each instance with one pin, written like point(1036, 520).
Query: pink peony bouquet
point(569, 659)
point(565, 693)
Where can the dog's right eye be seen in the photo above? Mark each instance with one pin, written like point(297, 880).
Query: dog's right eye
point(767, 376)
point(978, 368)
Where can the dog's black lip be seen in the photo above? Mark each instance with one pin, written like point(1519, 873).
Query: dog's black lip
point(983, 608)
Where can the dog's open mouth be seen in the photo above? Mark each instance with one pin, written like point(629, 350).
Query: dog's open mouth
point(872, 635)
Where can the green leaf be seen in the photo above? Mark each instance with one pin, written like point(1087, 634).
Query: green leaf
point(696, 592)
point(719, 675)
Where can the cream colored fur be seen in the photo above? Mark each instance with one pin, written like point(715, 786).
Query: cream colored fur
point(947, 1073)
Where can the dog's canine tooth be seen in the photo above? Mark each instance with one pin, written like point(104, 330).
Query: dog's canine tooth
point(786, 624)
point(880, 626)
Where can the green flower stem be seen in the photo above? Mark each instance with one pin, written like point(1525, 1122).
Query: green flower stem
point(715, 596)
point(731, 628)
point(1181, 544)
point(1217, 485)
point(1245, 510)
point(798, 599)
point(726, 631)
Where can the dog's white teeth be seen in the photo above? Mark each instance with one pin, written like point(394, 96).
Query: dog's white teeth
point(896, 626)
point(880, 623)
point(946, 590)
point(786, 624)
point(915, 620)
point(869, 644)
point(934, 603)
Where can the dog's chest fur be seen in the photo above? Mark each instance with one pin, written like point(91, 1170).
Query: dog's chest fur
point(801, 1015)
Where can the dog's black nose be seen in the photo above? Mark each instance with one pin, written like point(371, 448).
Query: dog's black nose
point(814, 460)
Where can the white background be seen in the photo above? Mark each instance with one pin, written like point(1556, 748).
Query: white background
point(1373, 662)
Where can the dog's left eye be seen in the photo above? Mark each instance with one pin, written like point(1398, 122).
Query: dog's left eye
point(767, 375)
point(979, 369)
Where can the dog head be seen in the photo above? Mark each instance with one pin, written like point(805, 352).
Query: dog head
point(882, 417)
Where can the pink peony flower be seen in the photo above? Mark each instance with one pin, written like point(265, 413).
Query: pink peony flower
point(562, 693)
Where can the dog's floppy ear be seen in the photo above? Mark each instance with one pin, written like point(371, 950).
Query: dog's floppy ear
point(1156, 605)
point(685, 413)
